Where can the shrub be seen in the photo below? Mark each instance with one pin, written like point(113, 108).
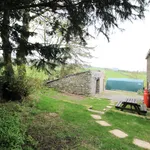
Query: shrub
point(11, 135)
point(19, 88)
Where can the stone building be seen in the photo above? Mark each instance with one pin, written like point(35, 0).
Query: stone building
point(84, 83)
point(148, 69)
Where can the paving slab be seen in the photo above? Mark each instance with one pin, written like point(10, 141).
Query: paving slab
point(103, 123)
point(118, 133)
point(142, 144)
point(109, 106)
point(97, 117)
point(96, 111)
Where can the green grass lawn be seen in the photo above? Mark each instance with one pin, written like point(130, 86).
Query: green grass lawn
point(135, 127)
point(62, 121)
point(96, 103)
point(90, 135)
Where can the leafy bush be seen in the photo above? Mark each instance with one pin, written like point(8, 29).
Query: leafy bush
point(19, 88)
point(34, 73)
point(11, 134)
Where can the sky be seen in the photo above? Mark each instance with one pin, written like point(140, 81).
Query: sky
point(126, 50)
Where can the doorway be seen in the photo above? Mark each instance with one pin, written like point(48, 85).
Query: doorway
point(97, 86)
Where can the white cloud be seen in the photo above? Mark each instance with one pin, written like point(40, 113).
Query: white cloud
point(126, 50)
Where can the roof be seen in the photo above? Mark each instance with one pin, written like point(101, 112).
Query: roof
point(125, 79)
point(148, 54)
point(89, 71)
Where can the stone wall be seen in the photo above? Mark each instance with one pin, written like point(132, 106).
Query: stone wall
point(76, 84)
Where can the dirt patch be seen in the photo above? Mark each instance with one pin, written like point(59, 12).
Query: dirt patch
point(74, 96)
point(47, 116)
point(50, 115)
point(51, 132)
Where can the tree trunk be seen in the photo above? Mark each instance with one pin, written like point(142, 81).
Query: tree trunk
point(6, 45)
point(22, 50)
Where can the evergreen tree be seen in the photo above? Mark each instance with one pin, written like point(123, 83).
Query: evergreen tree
point(78, 15)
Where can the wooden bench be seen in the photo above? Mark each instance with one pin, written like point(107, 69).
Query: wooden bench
point(118, 105)
point(140, 109)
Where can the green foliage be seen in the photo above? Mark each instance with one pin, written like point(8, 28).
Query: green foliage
point(18, 88)
point(64, 70)
point(11, 133)
point(36, 74)
point(69, 18)
point(69, 69)
point(15, 117)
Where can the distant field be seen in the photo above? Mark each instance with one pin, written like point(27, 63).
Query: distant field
point(121, 74)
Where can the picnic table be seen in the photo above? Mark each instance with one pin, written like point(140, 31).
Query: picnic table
point(132, 103)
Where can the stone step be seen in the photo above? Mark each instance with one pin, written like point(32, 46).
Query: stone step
point(109, 106)
point(96, 111)
point(97, 117)
point(141, 143)
point(103, 123)
point(118, 133)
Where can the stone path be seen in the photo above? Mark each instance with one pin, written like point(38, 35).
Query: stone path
point(97, 117)
point(109, 106)
point(141, 143)
point(116, 132)
point(95, 111)
point(103, 123)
